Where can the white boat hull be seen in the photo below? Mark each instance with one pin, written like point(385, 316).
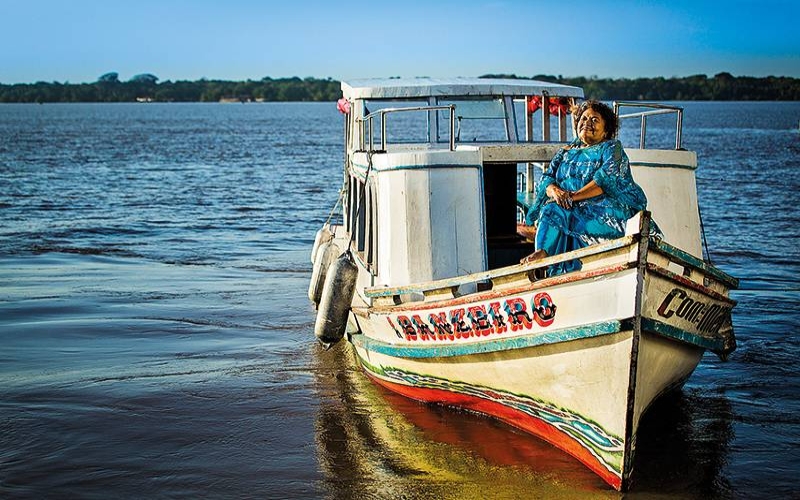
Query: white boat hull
point(575, 359)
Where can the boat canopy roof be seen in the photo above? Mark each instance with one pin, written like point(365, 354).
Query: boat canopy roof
point(421, 88)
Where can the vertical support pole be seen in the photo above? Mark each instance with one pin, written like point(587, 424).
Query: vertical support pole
point(511, 120)
point(433, 122)
point(529, 185)
point(383, 131)
point(545, 117)
point(360, 120)
point(452, 127)
point(528, 120)
point(349, 124)
point(644, 132)
point(371, 134)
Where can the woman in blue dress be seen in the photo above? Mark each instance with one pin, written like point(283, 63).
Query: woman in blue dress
point(586, 194)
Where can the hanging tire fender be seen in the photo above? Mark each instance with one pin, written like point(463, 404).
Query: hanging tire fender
point(323, 234)
point(325, 256)
point(336, 299)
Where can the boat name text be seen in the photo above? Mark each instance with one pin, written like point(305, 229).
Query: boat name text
point(706, 317)
point(476, 320)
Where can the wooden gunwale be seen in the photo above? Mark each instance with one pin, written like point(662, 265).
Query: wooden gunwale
point(693, 262)
point(493, 294)
point(697, 287)
point(449, 283)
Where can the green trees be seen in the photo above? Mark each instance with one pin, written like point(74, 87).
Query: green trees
point(108, 88)
point(145, 86)
point(112, 77)
point(720, 87)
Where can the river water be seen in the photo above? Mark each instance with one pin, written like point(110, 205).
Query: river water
point(157, 340)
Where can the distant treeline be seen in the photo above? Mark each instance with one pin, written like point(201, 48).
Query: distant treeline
point(146, 87)
point(720, 87)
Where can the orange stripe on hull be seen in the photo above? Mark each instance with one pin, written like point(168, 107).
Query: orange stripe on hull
point(510, 416)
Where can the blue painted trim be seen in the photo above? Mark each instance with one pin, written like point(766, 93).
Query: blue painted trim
point(504, 344)
point(665, 330)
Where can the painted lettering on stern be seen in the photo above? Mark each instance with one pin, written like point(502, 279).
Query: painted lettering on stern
point(706, 317)
point(476, 320)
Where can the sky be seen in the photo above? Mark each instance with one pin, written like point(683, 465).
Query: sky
point(76, 41)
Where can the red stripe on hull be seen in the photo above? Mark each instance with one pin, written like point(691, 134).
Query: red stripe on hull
point(510, 416)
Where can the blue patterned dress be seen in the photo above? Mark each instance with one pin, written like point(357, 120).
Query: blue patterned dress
point(592, 220)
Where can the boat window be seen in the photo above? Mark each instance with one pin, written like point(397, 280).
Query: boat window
point(352, 204)
point(371, 250)
point(477, 120)
point(360, 217)
point(363, 221)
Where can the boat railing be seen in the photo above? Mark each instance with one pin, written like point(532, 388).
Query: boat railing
point(382, 114)
point(654, 109)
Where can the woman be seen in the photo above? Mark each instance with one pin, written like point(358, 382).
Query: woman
point(587, 193)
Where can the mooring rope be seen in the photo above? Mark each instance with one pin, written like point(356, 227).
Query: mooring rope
point(335, 206)
point(703, 233)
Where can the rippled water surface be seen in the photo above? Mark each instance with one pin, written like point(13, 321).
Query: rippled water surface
point(157, 340)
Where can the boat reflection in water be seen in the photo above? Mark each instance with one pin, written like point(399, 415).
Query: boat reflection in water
point(373, 443)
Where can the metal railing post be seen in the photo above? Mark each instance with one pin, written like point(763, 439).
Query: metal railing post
point(656, 109)
point(452, 127)
point(643, 132)
point(383, 131)
point(383, 112)
point(371, 134)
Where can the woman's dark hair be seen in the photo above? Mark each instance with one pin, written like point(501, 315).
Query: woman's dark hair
point(612, 123)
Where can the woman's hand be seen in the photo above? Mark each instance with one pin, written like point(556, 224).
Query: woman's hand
point(562, 198)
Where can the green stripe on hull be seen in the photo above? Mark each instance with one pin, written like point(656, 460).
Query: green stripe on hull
point(665, 330)
point(505, 344)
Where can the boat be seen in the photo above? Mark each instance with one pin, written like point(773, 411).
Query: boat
point(418, 267)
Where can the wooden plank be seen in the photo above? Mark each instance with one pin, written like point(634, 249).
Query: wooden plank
point(519, 269)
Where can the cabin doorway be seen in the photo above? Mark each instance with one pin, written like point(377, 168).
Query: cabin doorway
point(504, 246)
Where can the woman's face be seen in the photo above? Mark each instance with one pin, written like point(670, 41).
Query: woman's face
point(591, 127)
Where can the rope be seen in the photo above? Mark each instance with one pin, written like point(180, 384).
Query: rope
point(703, 233)
point(335, 206)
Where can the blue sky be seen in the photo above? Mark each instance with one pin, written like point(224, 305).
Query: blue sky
point(79, 40)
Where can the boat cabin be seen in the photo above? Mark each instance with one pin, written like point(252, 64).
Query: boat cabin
point(438, 172)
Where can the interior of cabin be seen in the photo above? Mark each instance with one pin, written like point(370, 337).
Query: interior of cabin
point(504, 246)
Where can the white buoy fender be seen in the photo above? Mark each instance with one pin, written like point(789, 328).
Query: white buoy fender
point(325, 256)
point(323, 235)
point(337, 294)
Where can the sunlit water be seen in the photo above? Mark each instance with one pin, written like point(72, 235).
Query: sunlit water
point(157, 339)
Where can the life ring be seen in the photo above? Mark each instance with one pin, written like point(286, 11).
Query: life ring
point(557, 105)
